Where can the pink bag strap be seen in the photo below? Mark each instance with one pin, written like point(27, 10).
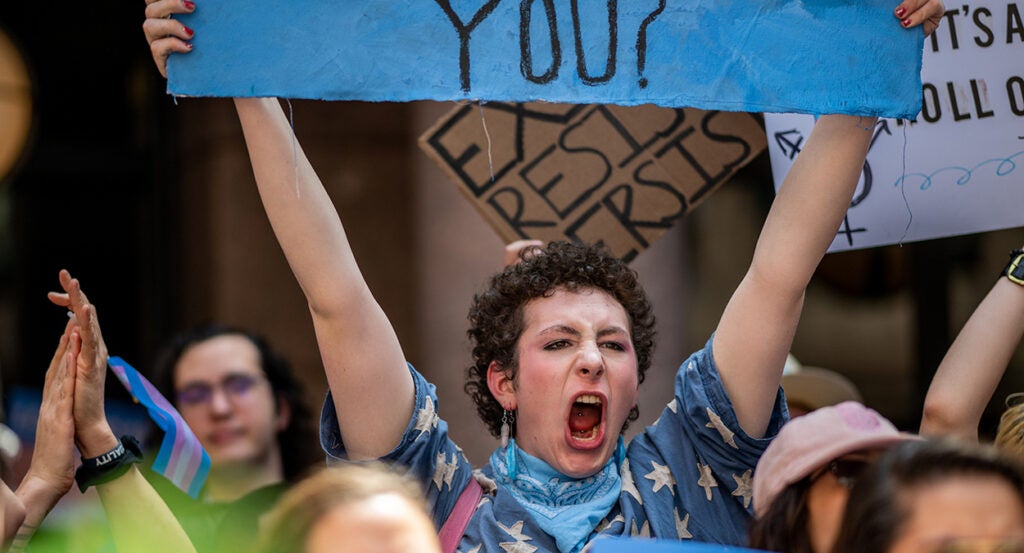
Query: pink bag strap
point(455, 525)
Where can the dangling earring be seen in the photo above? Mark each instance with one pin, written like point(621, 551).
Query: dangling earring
point(507, 418)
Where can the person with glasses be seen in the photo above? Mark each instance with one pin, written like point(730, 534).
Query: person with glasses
point(802, 481)
point(936, 497)
point(245, 406)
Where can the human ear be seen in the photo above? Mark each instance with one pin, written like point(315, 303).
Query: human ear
point(502, 387)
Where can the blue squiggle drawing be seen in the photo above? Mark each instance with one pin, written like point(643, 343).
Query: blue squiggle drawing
point(1004, 166)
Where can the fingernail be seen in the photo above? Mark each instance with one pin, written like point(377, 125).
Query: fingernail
point(188, 31)
point(190, 5)
point(188, 45)
point(906, 22)
point(899, 11)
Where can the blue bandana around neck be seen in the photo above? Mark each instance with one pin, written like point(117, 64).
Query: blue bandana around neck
point(566, 508)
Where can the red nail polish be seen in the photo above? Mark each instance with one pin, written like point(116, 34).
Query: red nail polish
point(189, 5)
point(188, 31)
point(899, 11)
point(906, 22)
point(188, 45)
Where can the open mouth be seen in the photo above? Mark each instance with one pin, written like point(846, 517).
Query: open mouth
point(585, 418)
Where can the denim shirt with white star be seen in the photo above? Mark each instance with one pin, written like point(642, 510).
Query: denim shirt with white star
point(687, 476)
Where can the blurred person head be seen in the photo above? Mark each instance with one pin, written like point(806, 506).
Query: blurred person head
point(351, 509)
point(242, 401)
point(1010, 435)
point(811, 388)
point(936, 497)
point(803, 479)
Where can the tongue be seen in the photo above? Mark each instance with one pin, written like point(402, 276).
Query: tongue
point(584, 416)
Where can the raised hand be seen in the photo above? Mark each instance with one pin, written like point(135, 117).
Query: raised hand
point(921, 12)
point(165, 35)
point(92, 431)
point(52, 471)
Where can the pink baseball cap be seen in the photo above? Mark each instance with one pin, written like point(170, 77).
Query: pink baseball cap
point(806, 443)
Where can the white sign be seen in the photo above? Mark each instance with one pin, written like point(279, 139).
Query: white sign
point(957, 169)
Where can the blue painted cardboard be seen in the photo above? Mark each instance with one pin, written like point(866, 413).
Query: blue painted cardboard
point(806, 56)
point(625, 545)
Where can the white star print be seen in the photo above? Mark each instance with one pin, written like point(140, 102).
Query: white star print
point(681, 524)
point(743, 488)
point(426, 418)
point(661, 477)
point(606, 524)
point(674, 406)
point(520, 545)
point(645, 531)
point(717, 424)
point(628, 485)
point(444, 472)
point(707, 480)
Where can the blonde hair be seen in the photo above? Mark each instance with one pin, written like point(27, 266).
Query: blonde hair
point(286, 528)
point(1010, 436)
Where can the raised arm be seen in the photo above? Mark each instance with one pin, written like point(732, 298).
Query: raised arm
point(139, 518)
point(971, 370)
point(757, 327)
point(366, 369)
point(52, 469)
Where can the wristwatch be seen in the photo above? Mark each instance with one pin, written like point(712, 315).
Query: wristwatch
point(1015, 268)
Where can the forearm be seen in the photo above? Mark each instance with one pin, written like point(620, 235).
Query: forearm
point(363, 360)
point(811, 203)
point(39, 498)
point(139, 518)
point(299, 209)
point(975, 363)
point(757, 328)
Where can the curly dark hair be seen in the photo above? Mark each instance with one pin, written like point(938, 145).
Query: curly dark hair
point(297, 455)
point(496, 315)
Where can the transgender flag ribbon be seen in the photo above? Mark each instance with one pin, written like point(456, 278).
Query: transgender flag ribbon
point(181, 458)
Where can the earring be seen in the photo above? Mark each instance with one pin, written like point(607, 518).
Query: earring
point(507, 418)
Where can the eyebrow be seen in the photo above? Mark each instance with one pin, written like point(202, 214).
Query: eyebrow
point(565, 329)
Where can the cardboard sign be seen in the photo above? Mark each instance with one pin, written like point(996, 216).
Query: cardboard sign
point(638, 545)
point(590, 173)
point(960, 167)
point(812, 56)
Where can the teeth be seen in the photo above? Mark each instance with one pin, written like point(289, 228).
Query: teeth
point(589, 399)
point(585, 435)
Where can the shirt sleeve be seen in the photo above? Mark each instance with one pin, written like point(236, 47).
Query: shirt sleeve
point(425, 452)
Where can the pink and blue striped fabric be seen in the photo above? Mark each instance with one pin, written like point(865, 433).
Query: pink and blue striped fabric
point(181, 457)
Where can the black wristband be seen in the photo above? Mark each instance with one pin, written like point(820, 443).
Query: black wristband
point(109, 466)
point(1015, 268)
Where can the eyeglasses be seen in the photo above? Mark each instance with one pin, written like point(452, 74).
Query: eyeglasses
point(845, 471)
point(234, 385)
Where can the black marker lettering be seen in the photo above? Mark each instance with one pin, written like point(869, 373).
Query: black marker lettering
point(513, 215)
point(613, 45)
point(526, 45)
point(641, 42)
point(464, 31)
point(989, 36)
point(1015, 91)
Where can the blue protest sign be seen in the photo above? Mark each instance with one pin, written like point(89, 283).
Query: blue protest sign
point(810, 56)
point(636, 545)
